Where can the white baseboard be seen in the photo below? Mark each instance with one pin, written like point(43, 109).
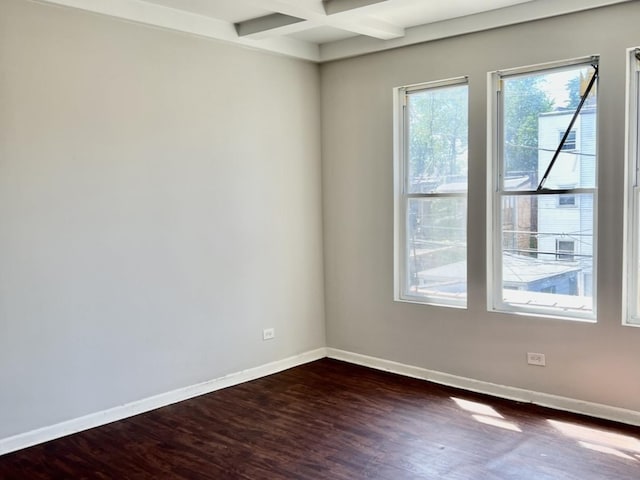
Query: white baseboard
point(121, 412)
point(97, 419)
point(597, 410)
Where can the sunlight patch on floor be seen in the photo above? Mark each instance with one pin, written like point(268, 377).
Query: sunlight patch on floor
point(476, 407)
point(485, 414)
point(497, 422)
point(622, 446)
point(608, 450)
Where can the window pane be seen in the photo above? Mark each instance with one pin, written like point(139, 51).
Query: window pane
point(547, 252)
point(537, 110)
point(437, 140)
point(634, 300)
point(436, 247)
point(567, 201)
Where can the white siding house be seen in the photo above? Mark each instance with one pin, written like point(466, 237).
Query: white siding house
point(565, 222)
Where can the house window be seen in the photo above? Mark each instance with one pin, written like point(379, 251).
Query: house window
point(569, 142)
point(541, 257)
point(631, 254)
point(431, 193)
point(566, 200)
point(565, 250)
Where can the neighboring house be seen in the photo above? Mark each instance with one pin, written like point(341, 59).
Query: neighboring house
point(518, 215)
point(536, 275)
point(519, 273)
point(565, 222)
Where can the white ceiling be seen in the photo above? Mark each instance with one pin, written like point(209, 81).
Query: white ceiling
point(326, 30)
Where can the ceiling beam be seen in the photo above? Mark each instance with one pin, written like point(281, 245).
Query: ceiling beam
point(259, 25)
point(314, 12)
point(368, 26)
point(332, 7)
point(297, 8)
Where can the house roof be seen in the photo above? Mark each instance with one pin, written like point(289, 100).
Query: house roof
point(517, 269)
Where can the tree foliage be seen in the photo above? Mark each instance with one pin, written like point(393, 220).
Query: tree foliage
point(438, 130)
point(437, 144)
point(573, 87)
point(524, 100)
point(576, 86)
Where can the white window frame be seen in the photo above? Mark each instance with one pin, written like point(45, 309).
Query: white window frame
point(631, 253)
point(401, 196)
point(495, 302)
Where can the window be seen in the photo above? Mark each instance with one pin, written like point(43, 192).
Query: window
point(566, 200)
point(632, 209)
point(565, 250)
point(431, 193)
point(570, 142)
point(543, 156)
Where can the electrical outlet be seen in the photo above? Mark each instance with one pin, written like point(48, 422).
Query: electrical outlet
point(268, 333)
point(536, 359)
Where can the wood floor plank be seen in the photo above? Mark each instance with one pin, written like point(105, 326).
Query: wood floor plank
point(333, 420)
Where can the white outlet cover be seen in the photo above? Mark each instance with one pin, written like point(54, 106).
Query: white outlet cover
point(268, 333)
point(537, 359)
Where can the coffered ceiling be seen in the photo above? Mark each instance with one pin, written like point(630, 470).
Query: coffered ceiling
point(326, 30)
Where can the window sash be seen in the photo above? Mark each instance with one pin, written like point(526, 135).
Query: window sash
point(498, 191)
point(573, 309)
point(404, 196)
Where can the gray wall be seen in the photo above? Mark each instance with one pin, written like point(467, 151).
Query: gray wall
point(593, 362)
point(160, 205)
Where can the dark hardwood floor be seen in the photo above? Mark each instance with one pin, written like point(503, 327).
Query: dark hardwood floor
point(332, 420)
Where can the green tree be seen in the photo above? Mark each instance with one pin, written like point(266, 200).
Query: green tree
point(573, 87)
point(437, 143)
point(437, 134)
point(524, 100)
point(576, 87)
